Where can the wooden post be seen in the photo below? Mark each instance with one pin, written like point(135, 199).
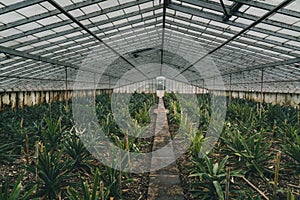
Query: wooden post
point(227, 183)
point(66, 91)
point(276, 175)
point(261, 92)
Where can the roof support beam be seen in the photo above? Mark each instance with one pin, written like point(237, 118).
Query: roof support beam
point(231, 47)
point(237, 40)
point(48, 14)
point(84, 17)
point(92, 34)
point(18, 5)
point(216, 7)
point(165, 4)
point(77, 37)
point(214, 17)
point(63, 54)
point(224, 8)
point(232, 10)
point(283, 4)
point(267, 65)
point(43, 79)
point(9, 51)
point(265, 6)
point(252, 37)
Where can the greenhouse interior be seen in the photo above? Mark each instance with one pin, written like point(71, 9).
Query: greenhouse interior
point(150, 99)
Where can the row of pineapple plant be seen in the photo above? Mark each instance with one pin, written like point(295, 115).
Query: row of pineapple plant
point(248, 149)
point(42, 142)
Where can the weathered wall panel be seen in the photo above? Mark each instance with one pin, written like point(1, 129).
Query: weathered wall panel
point(28, 98)
point(268, 97)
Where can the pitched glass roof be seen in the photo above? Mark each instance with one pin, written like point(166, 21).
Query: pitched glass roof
point(42, 39)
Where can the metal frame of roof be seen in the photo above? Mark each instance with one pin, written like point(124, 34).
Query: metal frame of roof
point(42, 41)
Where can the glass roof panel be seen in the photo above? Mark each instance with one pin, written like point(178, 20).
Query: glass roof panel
point(108, 4)
point(10, 17)
point(64, 2)
point(10, 2)
point(32, 10)
point(76, 13)
point(64, 40)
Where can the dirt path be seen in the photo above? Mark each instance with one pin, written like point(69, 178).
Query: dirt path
point(165, 182)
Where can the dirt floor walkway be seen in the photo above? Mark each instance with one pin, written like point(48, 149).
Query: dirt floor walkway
point(164, 183)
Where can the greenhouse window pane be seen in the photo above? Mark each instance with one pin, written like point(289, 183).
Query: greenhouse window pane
point(64, 2)
point(10, 17)
point(90, 9)
point(131, 9)
point(49, 20)
point(10, 2)
point(48, 6)
point(10, 32)
point(294, 6)
point(290, 32)
point(29, 26)
point(256, 11)
point(115, 13)
point(32, 10)
point(76, 13)
point(108, 4)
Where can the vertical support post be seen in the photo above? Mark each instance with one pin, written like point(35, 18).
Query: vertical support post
point(17, 101)
point(66, 91)
point(109, 86)
point(95, 90)
point(261, 92)
point(109, 82)
point(298, 112)
point(214, 82)
point(230, 92)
